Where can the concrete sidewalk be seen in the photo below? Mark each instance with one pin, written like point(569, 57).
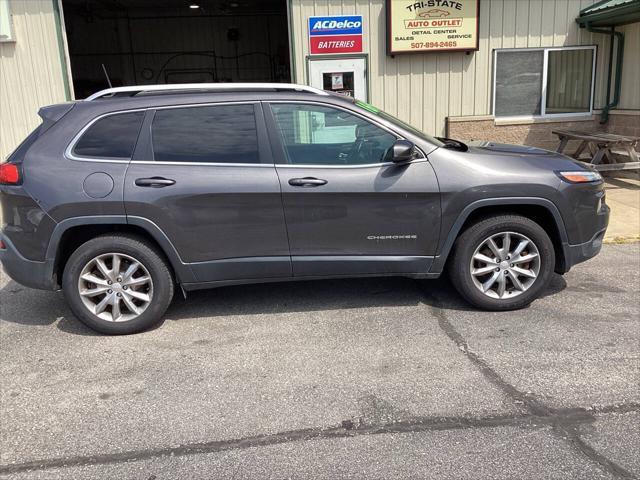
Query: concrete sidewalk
point(623, 196)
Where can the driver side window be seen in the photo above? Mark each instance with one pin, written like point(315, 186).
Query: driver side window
point(319, 135)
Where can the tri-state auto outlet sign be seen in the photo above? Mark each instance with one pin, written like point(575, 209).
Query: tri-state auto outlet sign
point(335, 34)
point(432, 26)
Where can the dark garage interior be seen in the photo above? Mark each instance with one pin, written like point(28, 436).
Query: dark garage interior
point(132, 42)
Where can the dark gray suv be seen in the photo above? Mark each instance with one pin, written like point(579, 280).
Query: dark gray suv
point(121, 198)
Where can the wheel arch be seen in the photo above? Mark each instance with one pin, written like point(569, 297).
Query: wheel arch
point(73, 232)
point(542, 211)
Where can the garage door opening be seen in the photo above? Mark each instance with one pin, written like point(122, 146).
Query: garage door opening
point(137, 42)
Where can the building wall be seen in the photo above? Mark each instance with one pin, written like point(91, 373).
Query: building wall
point(424, 89)
point(630, 94)
point(540, 134)
point(535, 134)
point(31, 71)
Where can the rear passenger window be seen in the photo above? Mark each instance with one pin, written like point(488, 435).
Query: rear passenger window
point(215, 134)
point(113, 136)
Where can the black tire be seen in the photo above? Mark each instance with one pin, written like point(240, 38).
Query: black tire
point(131, 246)
point(474, 236)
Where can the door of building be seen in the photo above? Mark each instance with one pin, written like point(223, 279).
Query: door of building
point(346, 75)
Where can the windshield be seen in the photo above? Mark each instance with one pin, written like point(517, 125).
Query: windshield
point(399, 123)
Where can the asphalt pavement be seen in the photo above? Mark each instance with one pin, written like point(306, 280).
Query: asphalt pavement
point(361, 378)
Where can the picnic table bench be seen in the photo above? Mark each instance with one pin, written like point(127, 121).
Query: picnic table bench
point(599, 145)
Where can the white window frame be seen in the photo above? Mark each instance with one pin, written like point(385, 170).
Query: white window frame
point(7, 33)
point(545, 68)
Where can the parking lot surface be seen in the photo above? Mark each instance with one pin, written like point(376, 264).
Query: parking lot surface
point(360, 378)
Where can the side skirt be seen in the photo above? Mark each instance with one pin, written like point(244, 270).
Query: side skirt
point(359, 264)
point(231, 271)
point(188, 287)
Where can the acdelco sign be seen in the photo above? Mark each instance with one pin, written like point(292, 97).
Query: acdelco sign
point(335, 34)
point(351, 25)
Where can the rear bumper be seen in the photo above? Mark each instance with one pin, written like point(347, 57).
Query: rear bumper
point(24, 271)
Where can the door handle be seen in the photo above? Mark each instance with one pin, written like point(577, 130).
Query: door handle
point(154, 182)
point(307, 182)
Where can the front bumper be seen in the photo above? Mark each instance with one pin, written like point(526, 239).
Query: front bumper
point(574, 254)
point(24, 271)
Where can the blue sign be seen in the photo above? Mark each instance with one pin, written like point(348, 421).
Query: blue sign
point(335, 25)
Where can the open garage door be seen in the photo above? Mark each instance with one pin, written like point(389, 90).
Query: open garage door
point(133, 42)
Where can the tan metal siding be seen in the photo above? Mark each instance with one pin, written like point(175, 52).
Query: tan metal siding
point(31, 72)
point(630, 94)
point(423, 89)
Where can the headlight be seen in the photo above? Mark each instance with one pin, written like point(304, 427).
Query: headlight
point(580, 176)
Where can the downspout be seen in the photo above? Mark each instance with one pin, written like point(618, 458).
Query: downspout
point(604, 116)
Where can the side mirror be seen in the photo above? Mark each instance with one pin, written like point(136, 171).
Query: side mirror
point(402, 151)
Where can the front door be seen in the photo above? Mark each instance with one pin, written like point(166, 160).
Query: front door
point(346, 76)
point(349, 211)
point(206, 177)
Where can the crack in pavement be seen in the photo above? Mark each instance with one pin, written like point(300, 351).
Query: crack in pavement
point(566, 430)
point(347, 429)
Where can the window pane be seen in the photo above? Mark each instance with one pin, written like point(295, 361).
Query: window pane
point(518, 83)
point(315, 135)
point(113, 136)
point(220, 134)
point(569, 81)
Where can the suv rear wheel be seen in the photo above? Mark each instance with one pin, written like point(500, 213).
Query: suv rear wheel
point(117, 284)
point(502, 262)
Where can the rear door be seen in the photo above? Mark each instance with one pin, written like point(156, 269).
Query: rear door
point(349, 210)
point(205, 175)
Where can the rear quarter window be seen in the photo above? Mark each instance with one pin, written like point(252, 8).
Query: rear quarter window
point(18, 154)
point(113, 136)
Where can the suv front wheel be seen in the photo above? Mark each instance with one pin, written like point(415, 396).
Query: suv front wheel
point(117, 284)
point(502, 262)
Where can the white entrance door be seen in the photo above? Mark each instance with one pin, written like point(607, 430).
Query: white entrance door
point(347, 76)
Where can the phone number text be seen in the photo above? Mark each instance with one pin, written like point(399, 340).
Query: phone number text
point(418, 45)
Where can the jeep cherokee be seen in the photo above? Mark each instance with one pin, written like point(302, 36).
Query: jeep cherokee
point(123, 197)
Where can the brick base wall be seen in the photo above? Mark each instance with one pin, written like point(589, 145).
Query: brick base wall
point(624, 124)
point(537, 134)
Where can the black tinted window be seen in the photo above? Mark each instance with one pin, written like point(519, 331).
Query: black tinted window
point(221, 134)
point(113, 136)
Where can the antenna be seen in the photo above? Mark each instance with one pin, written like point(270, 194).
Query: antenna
point(104, 69)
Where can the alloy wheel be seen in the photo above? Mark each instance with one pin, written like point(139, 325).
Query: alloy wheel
point(505, 265)
point(115, 287)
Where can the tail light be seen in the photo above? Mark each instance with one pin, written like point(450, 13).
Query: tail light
point(10, 174)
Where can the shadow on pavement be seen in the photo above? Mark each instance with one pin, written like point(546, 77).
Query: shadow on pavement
point(25, 306)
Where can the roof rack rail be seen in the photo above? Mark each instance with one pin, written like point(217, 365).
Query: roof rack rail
point(133, 90)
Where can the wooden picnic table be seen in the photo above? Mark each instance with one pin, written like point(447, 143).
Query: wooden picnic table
point(599, 145)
